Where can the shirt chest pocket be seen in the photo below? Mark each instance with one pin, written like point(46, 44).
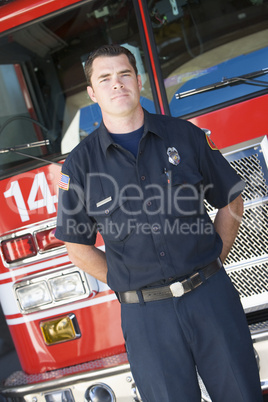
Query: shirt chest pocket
point(113, 218)
point(184, 195)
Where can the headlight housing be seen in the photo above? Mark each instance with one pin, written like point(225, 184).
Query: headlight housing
point(53, 289)
point(60, 329)
point(33, 295)
point(67, 286)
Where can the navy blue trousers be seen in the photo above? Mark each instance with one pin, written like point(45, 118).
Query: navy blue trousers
point(206, 328)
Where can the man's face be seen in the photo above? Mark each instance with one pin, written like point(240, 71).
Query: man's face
point(115, 86)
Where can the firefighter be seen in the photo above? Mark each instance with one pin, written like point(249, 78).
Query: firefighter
point(141, 180)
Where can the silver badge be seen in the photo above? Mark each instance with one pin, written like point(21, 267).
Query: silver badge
point(173, 156)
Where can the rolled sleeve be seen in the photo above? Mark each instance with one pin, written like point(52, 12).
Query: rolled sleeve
point(222, 184)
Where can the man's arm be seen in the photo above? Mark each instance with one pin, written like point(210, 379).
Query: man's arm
point(227, 222)
point(88, 258)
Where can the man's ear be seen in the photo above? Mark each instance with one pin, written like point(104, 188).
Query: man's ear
point(91, 94)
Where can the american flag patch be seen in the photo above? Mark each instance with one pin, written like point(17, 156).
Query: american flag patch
point(64, 182)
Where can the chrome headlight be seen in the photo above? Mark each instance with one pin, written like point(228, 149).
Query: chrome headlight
point(33, 295)
point(53, 289)
point(66, 286)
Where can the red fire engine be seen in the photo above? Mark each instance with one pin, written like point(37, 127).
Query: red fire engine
point(201, 60)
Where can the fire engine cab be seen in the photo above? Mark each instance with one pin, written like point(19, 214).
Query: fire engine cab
point(201, 60)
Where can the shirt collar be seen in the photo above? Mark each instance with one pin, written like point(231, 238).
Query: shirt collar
point(150, 125)
point(105, 138)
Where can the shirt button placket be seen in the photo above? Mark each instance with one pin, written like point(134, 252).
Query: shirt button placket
point(158, 236)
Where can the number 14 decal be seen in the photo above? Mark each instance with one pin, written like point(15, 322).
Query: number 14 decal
point(48, 200)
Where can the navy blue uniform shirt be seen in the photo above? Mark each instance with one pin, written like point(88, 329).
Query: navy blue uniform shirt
point(148, 209)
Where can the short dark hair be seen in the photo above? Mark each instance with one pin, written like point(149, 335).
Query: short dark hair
point(110, 51)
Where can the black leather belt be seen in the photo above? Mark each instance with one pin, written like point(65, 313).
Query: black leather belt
point(176, 289)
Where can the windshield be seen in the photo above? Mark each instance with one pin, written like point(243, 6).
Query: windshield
point(202, 42)
point(42, 79)
point(43, 87)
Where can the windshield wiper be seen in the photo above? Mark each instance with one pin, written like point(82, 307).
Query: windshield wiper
point(246, 78)
point(16, 149)
point(24, 146)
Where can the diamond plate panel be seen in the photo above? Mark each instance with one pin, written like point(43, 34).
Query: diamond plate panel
point(251, 171)
point(252, 238)
point(250, 162)
point(250, 281)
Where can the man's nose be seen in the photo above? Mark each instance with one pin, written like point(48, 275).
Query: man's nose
point(117, 83)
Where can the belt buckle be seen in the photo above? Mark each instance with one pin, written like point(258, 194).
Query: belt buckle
point(177, 289)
